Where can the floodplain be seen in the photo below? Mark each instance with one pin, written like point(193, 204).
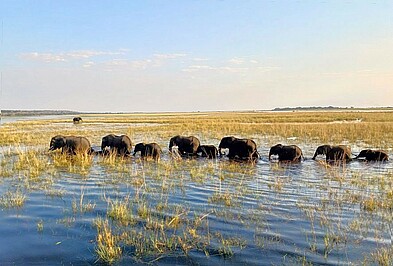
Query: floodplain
point(57, 209)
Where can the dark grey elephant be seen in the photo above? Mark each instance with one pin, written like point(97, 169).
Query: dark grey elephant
point(209, 151)
point(77, 120)
point(373, 155)
point(334, 153)
point(290, 153)
point(122, 145)
point(185, 145)
point(148, 150)
point(244, 149)
point(70, 144)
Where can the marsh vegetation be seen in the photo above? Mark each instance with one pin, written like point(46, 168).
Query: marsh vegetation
point(93, 209)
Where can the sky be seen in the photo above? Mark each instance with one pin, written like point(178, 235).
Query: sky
point(189, 55)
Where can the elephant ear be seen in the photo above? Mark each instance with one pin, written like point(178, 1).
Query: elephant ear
point(62, 141)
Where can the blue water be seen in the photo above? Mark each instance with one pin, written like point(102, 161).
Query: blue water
point(280, 213)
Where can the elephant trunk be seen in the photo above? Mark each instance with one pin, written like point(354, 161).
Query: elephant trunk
point(171, 144)
point(270, 154)
point(315, 155)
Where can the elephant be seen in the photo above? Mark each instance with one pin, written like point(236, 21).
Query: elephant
point(148, 150)
point(77, 120)
point(286, 153)
point(122, 145)
point(373, 155)
point(239, 148)
point(334, 153)
point(209, 151)
point(70, 144)
point(186, 145)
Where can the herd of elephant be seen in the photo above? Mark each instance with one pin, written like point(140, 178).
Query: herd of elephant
point(238, 149)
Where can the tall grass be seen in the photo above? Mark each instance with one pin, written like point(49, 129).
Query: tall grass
point(149, 225)
point(371, 128)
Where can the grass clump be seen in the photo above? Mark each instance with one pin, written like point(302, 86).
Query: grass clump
point(79, 205)
point(13, 199)
point(225, 198)
point(383, 256)
point(107, 248)
point(121, 212)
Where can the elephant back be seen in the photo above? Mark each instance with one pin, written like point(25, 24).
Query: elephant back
point(77, 144)
point(226, 142)
point(186, 145)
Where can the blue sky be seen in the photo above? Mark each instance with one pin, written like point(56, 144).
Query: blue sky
point(195, 55)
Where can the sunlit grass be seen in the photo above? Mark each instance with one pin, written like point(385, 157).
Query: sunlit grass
point(371, 128)
point(107, 248)
point(383, 256)
point(145, 222)
point(13, 199)
point(121, 212)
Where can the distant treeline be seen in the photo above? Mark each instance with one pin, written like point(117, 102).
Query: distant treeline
point(36, 112)
point(328, 108)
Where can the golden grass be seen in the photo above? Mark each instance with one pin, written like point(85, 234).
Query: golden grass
point(372, 128)
point(13, 199)
point(166, 229)
point(107, 248)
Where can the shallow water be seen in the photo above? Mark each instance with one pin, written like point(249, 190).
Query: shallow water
point(272, 213)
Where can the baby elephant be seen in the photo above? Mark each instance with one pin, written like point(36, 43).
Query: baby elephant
point(373, 155)
point(70, 144)
point(148, 150)
point(209, 151)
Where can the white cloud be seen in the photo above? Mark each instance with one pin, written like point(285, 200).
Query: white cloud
point(43, 57)
point(88, 64)
point(169, 56)
point(67, 56)
point(231, 68)
point(236, 61)
point(193, 68)
point(199, 59)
